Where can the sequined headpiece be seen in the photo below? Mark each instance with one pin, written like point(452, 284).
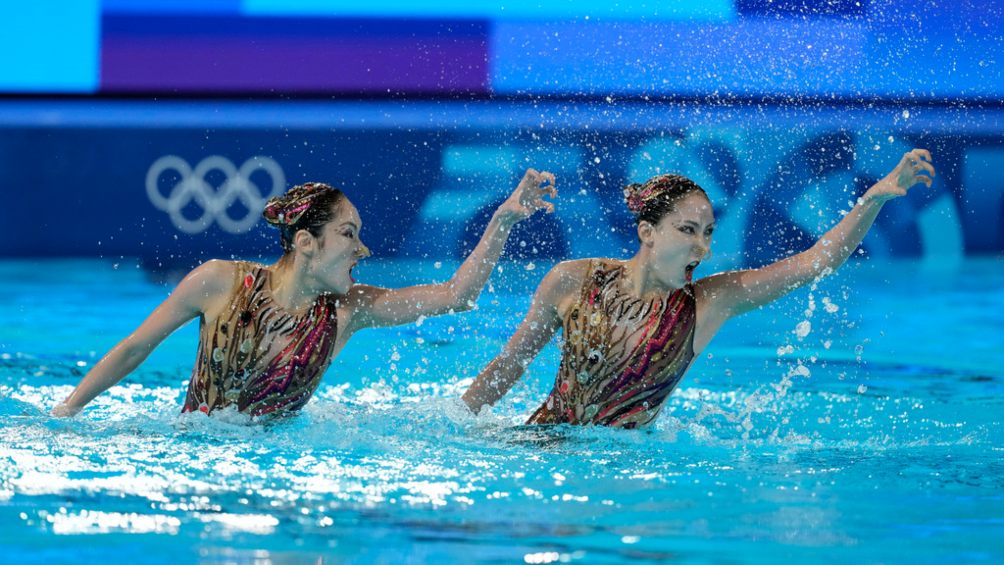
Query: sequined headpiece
point(638, 195)
point(286, 210)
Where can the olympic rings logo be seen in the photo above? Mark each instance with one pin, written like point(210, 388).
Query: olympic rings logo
point(192, 187)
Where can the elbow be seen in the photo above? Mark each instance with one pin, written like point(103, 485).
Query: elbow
point(461, 300)
point(466, 303)
point(131, 354)
point(821, 261)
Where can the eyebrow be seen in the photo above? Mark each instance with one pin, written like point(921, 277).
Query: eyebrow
point(695, 224)
point(352, 224)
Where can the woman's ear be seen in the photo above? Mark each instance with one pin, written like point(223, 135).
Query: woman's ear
point(645, 232)
point(304, 242)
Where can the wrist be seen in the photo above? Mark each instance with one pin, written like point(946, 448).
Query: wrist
point(505, 219)
point(874, 199)
point(64, 410)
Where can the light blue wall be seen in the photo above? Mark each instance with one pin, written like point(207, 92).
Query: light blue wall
point(50, 46)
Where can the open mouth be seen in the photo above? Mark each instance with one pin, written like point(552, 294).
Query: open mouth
point(689, 270)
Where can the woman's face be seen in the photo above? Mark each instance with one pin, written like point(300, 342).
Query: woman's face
point(681, 239)
point(338, 250)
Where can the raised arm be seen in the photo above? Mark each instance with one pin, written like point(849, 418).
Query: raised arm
point(541, 322)
point(204, 287)
point(725, 295)
point(372, 306)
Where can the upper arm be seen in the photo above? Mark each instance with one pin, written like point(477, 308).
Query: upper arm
point(373, 306)
point(200, 291)
point(725, 295)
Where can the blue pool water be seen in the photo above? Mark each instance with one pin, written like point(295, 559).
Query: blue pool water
point(856, 421)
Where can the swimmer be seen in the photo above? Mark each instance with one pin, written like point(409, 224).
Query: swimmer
point(633, 327)
point(268, 332)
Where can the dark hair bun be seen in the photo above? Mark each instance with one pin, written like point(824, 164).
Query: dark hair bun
point(657, 196)
point(288, 209)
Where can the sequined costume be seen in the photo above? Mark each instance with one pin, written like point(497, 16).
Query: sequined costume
point(622, 356)
point(259, 357)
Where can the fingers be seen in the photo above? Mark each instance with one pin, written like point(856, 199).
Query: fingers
point(533, 188)
point(542, 204)
point(549, 184)
point(923, 166)
point(539, 178)
point(917, 155)
point(530, 178)
point(920, 167)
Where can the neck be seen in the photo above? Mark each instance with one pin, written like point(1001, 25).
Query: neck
point(291, 285)
point(641, 280)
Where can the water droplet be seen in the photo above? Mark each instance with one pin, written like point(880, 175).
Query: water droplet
point(803, 329)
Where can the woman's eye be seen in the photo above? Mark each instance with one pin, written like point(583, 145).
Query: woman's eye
point(686, 229)
point(349, 235)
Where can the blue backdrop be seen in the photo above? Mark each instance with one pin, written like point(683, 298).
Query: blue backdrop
point(108, 179)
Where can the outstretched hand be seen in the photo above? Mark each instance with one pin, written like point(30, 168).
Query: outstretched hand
point(529, 197)
point(907, 174)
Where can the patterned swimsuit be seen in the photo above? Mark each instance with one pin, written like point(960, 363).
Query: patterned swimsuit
point(622, 356)
point(257, 356)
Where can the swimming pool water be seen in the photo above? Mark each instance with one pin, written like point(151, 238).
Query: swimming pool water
point(859, 420)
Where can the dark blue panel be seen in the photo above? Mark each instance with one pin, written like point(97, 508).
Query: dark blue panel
point(426, 187)
point(83, 192)
point(801, 7)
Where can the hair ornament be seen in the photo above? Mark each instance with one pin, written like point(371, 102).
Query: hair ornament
point(286, 210)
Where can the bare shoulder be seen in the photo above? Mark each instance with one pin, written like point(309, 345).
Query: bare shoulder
point(207, 288)
point(214, 276)
point(360, 294)
point(712, 288)
point(716, 298)
point(561, 285)
point(566, 276)
point(354, 306)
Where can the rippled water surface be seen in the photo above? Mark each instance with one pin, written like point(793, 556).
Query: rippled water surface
point(859, 420)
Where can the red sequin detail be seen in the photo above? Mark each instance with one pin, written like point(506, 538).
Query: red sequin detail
point(248, 281)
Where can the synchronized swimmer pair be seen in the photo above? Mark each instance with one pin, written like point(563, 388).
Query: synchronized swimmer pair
point(632, 327)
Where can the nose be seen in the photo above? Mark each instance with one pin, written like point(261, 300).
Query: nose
point(362, 251)
point(702, 250)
